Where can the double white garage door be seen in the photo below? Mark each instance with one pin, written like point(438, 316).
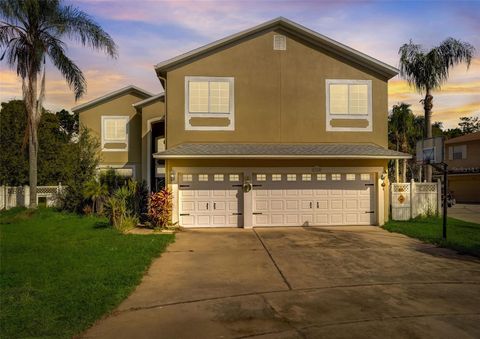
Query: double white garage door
point(278, 199)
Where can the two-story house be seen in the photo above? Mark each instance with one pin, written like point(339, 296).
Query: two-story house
point(277, 125)
point(462, 155)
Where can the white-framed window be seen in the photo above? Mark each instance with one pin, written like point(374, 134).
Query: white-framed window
point(365, 176)
point(350, 177)
point(218, 177)
point(349, 100)
point(187, 177)
point(321, 177)
point(203, 177)
point(114, 133)
point(261, 177)
point(291, 177)
point(127, 171)
point(234, 177)
point(276, 177)
point(336, 176)
point(306, 177)
point(209, 97)
point(457, 152)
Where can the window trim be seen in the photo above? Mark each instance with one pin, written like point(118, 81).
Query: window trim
point(105, 141)
point(230, 115)
point(330, 117)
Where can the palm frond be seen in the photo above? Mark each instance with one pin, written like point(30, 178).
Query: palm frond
point(70, 71)
point(79, 26)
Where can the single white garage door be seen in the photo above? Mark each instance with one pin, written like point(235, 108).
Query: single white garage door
point(310, 199)
point(210, 200)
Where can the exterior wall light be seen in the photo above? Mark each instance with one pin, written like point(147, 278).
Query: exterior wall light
point(173, 176)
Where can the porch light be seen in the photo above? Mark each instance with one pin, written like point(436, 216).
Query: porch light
point(172, 176)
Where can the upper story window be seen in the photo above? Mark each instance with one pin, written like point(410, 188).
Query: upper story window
point(209, 103)
point(457, 152)
point(114, 133)
point(349, 105)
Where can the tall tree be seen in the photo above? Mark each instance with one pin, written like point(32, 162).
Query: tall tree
point(428, 70)
point(31, 31)
point(469, 124)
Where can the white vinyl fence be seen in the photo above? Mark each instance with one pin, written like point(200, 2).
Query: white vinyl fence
point(411, 199)
point(19, 196)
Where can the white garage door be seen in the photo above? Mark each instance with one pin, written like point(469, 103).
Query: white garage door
point(297, 199)
point(210, 200)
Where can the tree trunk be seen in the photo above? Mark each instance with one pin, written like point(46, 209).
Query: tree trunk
point(33, 118)
point(427, 106)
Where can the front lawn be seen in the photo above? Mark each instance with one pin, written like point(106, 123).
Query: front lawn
point(60, 272)
point(462, 236)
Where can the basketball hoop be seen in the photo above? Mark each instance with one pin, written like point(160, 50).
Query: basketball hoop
point(430, 151)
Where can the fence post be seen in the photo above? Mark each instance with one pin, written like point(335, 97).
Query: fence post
point(412, 186)
point(26, 196)
point(2, 197)
point(439, 197)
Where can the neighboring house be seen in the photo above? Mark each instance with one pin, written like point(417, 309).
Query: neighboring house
point(274, 126)
point(462, 155)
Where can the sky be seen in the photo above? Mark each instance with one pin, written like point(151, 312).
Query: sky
point(150, 31)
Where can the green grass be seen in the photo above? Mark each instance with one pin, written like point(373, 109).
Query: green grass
point(462, 236)
point(61, 272)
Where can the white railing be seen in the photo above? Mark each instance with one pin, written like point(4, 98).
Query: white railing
point(19, 196)
point(411, 199)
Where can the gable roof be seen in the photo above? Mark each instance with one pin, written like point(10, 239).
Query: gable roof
point(464, 138)
point(148, 100)
point(292, 28)
point(106, 97)
point(280, 151)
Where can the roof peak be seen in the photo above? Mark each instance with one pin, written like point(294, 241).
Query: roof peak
point(111, 94)
point(291, 27)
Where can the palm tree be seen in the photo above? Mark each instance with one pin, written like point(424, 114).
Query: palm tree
point(31, 31)
point(97, 192)
point(427, 71)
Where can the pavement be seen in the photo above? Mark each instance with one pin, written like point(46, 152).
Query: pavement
point(466, 212)
point(312, 282)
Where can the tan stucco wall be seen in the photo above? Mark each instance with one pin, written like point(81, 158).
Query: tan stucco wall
point(153, 111)
point(473, 155)
point(465, 187)
point(121, 105)
point(280, 96)
point(243, 163)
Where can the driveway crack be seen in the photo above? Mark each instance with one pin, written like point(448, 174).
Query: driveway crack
point(273, 260)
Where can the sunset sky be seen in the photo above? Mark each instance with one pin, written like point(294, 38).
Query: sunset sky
point(148, 32)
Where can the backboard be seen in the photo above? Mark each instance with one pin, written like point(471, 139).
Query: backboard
point(430, 151)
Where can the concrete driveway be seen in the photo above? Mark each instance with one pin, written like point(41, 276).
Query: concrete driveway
point(466, 212)
point(358, 282)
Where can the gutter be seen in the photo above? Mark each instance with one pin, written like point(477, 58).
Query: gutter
point(264, 156)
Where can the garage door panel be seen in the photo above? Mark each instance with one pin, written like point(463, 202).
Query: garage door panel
point(291, 205)
point(351, 218)
point(203, 220)
point(292, 219)
point(276, 205)
point(351, 204)
point(321, 219)
point(261, 193)
point(276, 193)
point(336, 219)
point(220, 206)
point(261, 205)
point(306, 204)
point(336, 204)
point(322, 204)
point(277, 219)
point(261, 220)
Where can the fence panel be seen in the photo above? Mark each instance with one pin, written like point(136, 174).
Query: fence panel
point(409, 200)
point(19, 196)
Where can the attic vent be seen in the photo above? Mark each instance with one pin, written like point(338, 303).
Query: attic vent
point(279, 42)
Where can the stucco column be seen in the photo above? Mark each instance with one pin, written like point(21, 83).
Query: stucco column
point(381, 200)
point(174, 189)
point(247, 202)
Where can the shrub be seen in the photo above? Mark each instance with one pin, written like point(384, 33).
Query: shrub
point(127, 223)
point(82, 165)
point(160, 208)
